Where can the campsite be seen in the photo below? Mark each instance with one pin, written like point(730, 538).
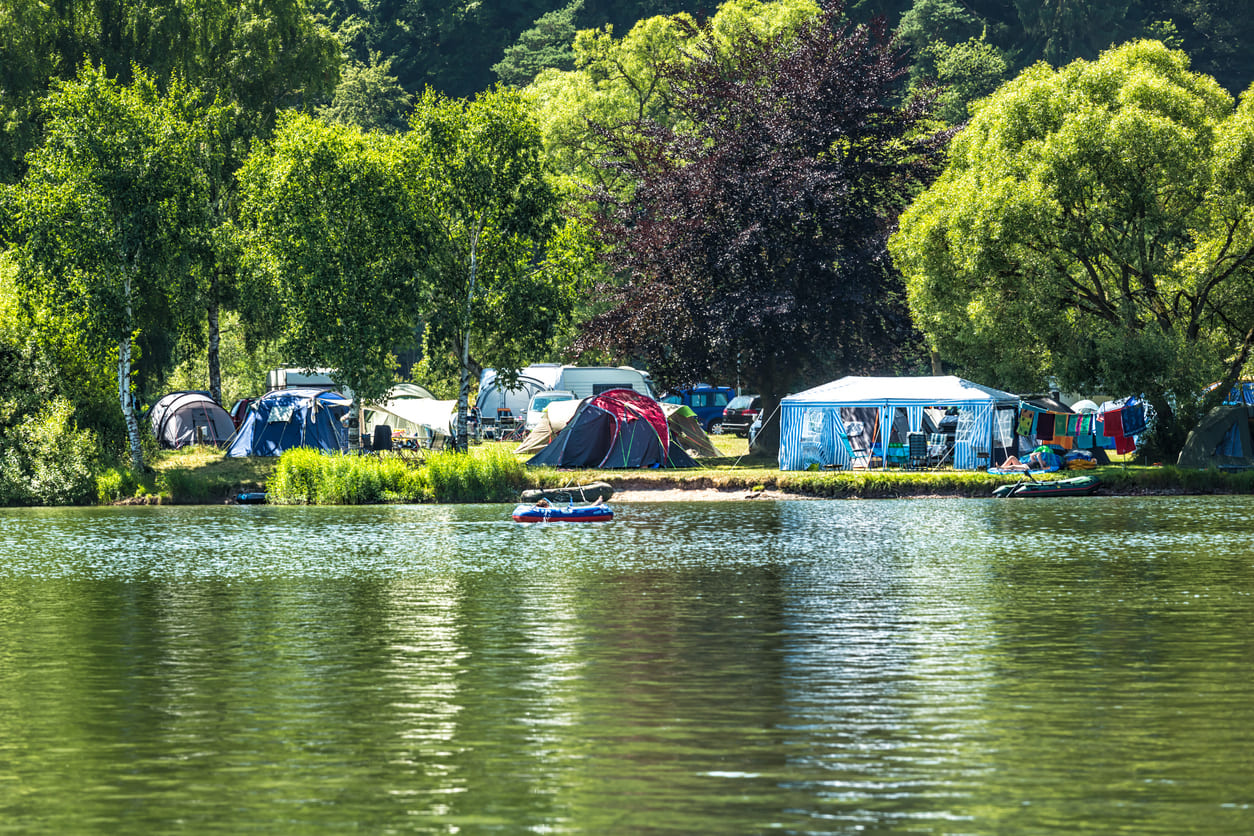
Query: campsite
point(854, 437)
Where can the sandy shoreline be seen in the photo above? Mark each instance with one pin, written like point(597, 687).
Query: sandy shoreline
point(699, 495)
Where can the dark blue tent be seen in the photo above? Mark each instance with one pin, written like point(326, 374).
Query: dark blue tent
point(287, 418)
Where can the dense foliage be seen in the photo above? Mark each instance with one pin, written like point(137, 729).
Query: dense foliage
point(742, 211)
point(112, 205)
point(1094, 228)
point(499, 282)
point(337, 237)
point(754, 241)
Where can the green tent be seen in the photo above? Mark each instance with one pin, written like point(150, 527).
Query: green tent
point(1221, 439)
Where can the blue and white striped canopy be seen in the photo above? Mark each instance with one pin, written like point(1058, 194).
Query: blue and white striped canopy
point(812, 429)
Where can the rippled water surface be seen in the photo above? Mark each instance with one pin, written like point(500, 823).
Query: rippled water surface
point(1066, 665)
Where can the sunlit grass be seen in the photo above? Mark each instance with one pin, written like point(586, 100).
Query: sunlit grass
point(493, 473)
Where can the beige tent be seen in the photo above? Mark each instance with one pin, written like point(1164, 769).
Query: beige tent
point(403, 402)
point(686, 430)
point(555, 418)
point(424, 417)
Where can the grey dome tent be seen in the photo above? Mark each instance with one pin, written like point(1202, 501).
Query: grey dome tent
point(183, 418)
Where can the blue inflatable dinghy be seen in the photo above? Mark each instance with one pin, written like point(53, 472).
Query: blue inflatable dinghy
point(568, 513)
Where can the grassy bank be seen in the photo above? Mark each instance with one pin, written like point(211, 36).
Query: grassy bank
point(493, 474)
point(305, 477)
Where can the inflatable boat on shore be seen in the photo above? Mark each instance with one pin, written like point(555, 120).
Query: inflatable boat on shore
point(1077, 486)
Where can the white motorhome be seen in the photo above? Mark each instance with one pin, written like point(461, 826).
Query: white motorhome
point(510, 404)
point(586, 381)
point(299, 379)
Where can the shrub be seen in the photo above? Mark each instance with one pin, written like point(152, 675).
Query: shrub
point(116, 483)
point(48, 460)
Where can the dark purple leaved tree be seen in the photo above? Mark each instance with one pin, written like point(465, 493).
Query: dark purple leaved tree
point(752, 246)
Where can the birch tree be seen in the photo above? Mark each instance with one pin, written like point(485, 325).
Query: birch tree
point(500, 285)
point(331, 228)
point(112, 205)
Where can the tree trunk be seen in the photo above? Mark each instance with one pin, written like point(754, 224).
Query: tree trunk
point(128, 404)
point(766, 442)
point(124, 382)
point(215, 369)
point(354, 424)
point(463, 392)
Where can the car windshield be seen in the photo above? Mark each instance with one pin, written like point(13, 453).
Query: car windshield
point(539, 402)
point(741, 401)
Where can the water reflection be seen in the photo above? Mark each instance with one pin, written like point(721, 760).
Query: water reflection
point(930, 666)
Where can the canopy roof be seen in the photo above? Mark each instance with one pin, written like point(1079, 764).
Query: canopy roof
point(886, 391)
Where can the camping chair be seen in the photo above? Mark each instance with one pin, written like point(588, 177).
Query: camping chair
point(916, 450)
point(939, 449)
point(896, 455)
point(504, 422)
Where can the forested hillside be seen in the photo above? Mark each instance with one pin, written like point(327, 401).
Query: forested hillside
point(453, 45)
point(365, 61)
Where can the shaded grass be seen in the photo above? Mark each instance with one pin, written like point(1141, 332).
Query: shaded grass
point(205, 474)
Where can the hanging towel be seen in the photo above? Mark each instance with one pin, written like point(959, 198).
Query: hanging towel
point(1060, 424)
point(1133, 418)
point(1045, 426)
point(1114, 423)
point(1066, 442)
point(1026, 419)
point(1085, 425)
point(1124, 444)
point(1073, 425)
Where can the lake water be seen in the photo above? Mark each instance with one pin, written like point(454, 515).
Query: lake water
point(1077, 666)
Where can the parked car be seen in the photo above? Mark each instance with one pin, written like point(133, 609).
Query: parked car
point(739, 414)
point(708, 402)
point(542, 399)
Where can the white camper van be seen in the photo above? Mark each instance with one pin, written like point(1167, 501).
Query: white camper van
point(495, 399)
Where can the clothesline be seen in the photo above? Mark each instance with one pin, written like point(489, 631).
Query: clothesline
point(1113, 427)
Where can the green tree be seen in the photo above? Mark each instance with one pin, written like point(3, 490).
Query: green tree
point(500, 281)
point(370, 97)
point(965, 72)
point(112, 206)
point(619, 81)
point(1093, 229)
point(753, 242)
point(331, 228)
point(549, 43)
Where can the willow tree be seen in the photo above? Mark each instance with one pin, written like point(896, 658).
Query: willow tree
point(1094, 228)
point(110, 212)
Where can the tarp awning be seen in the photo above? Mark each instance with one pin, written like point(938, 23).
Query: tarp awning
point(436, 416)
